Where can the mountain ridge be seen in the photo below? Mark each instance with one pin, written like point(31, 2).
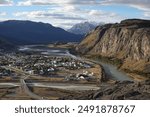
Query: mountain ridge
point(21, 32)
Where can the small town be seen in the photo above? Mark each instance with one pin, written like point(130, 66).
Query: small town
point(43, 65)
point(28, 74)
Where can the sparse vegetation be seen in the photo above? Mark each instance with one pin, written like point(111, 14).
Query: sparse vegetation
point(147, 75)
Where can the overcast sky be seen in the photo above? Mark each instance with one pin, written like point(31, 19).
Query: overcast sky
point(65, 13)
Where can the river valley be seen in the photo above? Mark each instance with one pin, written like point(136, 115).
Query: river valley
point(39, 69)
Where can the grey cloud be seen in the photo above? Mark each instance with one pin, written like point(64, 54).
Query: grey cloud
point(141, 4)
point(87, 2)
point(6, 2)
point(81, 2)
point(43, 14)
point(147, 14)
point(58, 16)
point(51, 2)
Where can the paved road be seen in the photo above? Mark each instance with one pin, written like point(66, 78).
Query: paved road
point(66, 86)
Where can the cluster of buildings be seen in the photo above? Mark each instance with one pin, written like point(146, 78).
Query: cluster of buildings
point(5, 72)
point(43, 65)
point(85, 75)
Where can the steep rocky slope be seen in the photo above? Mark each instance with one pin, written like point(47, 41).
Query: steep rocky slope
point(128, 41)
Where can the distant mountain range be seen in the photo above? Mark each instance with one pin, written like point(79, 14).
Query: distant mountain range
point(28, 32)
point(83, 28)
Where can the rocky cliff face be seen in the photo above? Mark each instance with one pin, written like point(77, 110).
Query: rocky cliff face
point(128, 40)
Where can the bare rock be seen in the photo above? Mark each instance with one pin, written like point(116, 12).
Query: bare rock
point(128, 40)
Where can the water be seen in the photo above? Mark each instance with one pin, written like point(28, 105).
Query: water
point(114, 73)
point(45, 50)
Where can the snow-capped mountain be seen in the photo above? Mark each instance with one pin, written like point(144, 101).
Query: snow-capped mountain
point(83, 28)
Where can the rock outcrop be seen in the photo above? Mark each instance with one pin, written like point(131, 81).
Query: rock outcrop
point(126, 90)
point(128, 41)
